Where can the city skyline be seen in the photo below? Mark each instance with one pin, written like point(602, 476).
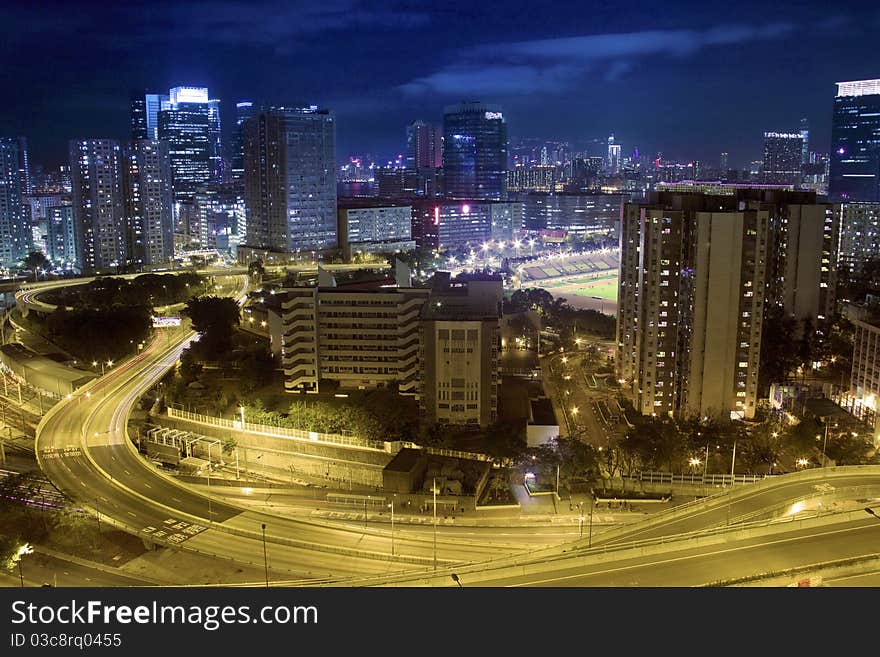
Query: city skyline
point(590, 68)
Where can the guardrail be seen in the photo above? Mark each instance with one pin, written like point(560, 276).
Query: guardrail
point(688, 478)
point(283, 432)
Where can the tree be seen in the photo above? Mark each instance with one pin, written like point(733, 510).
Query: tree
point(36, 261)
point(256, 270)
point(215, 318)
point(780, 354)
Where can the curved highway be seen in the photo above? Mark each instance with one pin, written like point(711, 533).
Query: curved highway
point(83, 448)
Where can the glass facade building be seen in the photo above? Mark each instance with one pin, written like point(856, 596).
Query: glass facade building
point(475, 152)
point(190, 122)
point(244, 110)
point(290, 179)
point(855, 142)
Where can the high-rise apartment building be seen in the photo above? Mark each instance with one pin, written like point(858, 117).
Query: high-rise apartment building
point(475, 152)
point(855, 142)
point(61, 236)
point(782, 158)
point(691, 294)
point(859, 235)
point(802, 246)
point(423, 146)
point(290, 181)
point(15, 230)
point(148, 206)
point(99, 214)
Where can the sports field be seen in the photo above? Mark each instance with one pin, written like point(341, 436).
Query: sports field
point(581, 292)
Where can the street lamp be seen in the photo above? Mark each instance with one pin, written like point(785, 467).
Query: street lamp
point(22, 550)
point(392, 528)
point(265, 559)
point(434, 490)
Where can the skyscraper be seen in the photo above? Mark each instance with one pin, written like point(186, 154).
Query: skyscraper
point(99, 215)
point(290, 179)
point(145, 114)
point(15, 230)
point(692, 272)
point(190, 123)
point(782, 158)
point(613, 156)
point(148, 209)
point(855, 142)
point(215, 153)
point(422, 146)
point(724, 163)
point(805, 147)
point(244, 110)
point(475, 152)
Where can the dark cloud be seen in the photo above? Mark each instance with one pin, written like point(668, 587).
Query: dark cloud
point(555, 64)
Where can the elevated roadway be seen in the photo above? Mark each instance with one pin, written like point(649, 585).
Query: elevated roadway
point(83, 447)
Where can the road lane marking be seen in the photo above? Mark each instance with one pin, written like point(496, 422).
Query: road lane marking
point(687, 557)
point(131, 514)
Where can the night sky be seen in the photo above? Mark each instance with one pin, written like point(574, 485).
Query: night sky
point(687, 79)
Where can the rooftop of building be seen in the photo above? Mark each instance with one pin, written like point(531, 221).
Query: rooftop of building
point(405, 460)
point(46, 365)
point(542, 412)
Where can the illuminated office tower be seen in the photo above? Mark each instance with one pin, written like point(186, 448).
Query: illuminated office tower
point(290, 179)
point(244, 110)
point(613, 156)
point(185, 122)
point(148, 211)
point(475, 152)
point(855, 142)
point(145, 114)
point(15, 230)
point(215, 153)
point(782, 158)
point(98, 208)
point(805, 146)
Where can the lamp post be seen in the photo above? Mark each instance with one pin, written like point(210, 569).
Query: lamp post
point(824, 442)
point(392, 528)
point(434, 491)
point(22, 550)
point(265, 559)
point(592, 501)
